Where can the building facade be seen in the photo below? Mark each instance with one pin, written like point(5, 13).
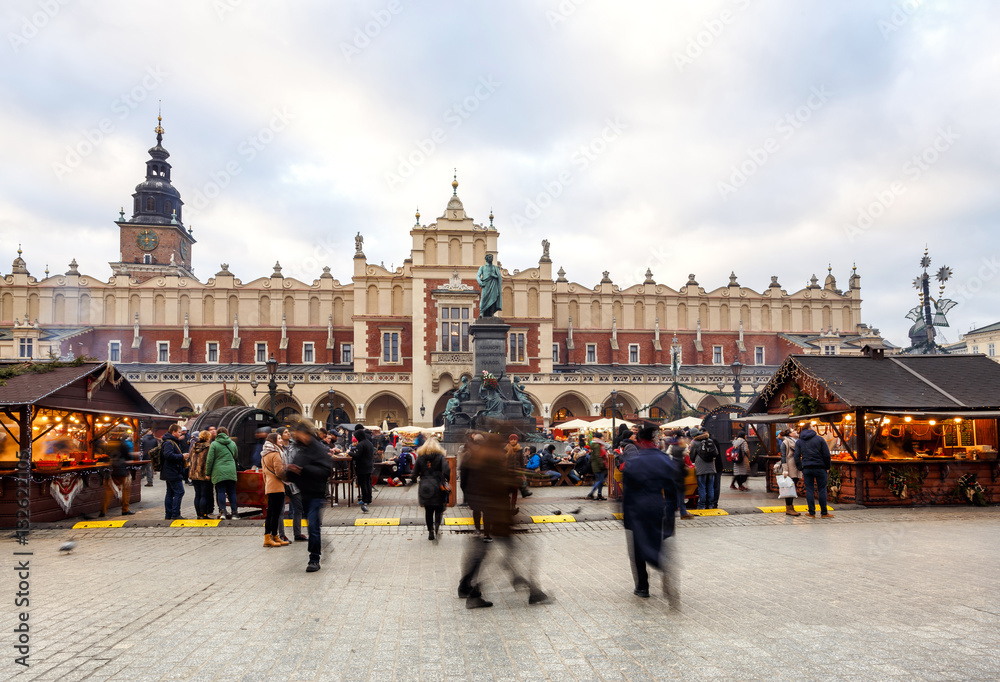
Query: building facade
point(389, 345)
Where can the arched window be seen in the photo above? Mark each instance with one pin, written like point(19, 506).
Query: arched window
point(724, 316)
point(166, 207)
point(479, 251)
point(430, 251)
point(807, 320)
point(289, 310)
point(150, 204)
point(562, 414)
point(455, 252)
point(59, 309)
point(786, 318)
point(639, 318)
point(232, 309)
point(135, 205)
point(765, 317)
point(703, 316)
point(147, 259)
point(508, 301)
point(574, 312)
point(595, 314)
point(616, 312)
point(827, 317)
point(845, 323)
point(372, 300)
point(84, 303)
point(110, 304)
point(661, 315)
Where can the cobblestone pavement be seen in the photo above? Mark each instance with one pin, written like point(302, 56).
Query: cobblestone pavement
point(869, 594)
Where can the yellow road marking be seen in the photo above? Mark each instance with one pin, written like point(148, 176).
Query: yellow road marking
point(195, 523)
point(376, 522)
point(709, 512)
point(459, 521)
point(619, 516)
point(554, 518)
point(288, 523)
point(100, 524)
point(798, 508)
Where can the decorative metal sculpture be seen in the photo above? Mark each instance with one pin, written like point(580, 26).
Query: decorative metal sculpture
point(925, 321)
point(527, 407)
point(462, 392)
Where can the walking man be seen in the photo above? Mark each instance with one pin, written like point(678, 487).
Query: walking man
point(146, 445)
point(310, 471)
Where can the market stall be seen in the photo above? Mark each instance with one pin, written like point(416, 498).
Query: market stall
point(75, 415)
point(904, 430)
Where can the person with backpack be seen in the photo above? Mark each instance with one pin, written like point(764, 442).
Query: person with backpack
point(740, 458)
point(433, 488)
point(172, 472)
point(703, 453)
point(812, 457)
point(221, 466)
point(598, 467)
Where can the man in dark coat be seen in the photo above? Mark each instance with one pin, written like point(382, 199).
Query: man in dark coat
point(172, 472)
point(310, 471)
point(812, 457)
point(649, 500)
point(363, 455)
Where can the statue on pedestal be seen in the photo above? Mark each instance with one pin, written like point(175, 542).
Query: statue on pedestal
point(451, 410)
point(489, 393)
point(488, 277)
point(527, 407)
point(462, 392)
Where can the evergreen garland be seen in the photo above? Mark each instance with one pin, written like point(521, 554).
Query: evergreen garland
point(11, 371)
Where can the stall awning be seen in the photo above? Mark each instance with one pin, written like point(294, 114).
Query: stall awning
point(968, 414)
point(787, 418)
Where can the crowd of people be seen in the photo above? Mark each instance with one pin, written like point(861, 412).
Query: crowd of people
point(651, 465)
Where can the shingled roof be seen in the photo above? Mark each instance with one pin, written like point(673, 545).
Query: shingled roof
point(911, 382)
point(66, 388)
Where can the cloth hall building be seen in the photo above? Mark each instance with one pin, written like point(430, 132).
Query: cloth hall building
point(388, 346)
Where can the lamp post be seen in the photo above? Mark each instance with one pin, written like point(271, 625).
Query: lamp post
point(675, 368)
point(736, 367)
point(330, 394)
point(422, 408)
point(272, 384)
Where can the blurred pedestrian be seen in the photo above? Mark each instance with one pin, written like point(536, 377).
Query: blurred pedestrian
point(221, 467)
point(118, 480)
point(491, 479)
point(598, 466)
point(204, 503)
point(310, 471)
point(274, 487)
point(649, 498)
point(518, 463)
point(433, 489)
point(676, 446)
point(146, 445)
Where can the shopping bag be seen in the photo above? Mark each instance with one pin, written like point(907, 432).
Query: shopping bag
point(786, 487)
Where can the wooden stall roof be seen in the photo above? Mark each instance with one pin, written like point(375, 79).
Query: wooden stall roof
point(908, 382)
point(65, 388)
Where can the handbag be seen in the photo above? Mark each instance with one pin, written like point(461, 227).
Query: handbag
point(777, 468)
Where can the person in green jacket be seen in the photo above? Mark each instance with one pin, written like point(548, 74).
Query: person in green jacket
point(598, 468)
point(221, 466)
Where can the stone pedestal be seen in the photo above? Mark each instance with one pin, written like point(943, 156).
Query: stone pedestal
point(489, 353)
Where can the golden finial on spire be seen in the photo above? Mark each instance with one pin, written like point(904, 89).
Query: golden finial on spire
point(454, 184)
point(491, 216)
point(159, 120)
point(417, 214)
point(18, 250)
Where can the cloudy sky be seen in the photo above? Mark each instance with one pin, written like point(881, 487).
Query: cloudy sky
point(765, 138)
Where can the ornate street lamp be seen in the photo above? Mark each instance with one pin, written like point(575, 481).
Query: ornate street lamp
point(422, 408)
point(736, 367)
point(675, 368)
point(272, 384)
